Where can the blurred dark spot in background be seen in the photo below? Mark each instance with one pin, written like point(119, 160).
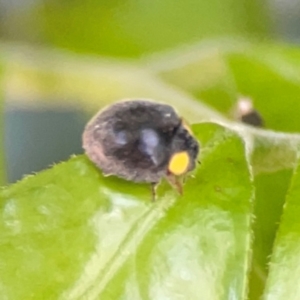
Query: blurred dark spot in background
point(36, 138)
point(285, 15)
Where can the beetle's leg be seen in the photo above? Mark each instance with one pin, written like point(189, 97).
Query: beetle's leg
point(153, 190)
point(175, 183)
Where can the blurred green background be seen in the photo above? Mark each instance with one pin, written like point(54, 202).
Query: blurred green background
point(130, 28)
point(39, 132)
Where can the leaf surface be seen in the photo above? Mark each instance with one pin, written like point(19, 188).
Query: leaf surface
point(69, 232)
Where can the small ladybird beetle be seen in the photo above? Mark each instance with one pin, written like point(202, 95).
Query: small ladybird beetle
point(141, 141)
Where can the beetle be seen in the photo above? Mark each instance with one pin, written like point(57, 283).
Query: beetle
point(141, 141)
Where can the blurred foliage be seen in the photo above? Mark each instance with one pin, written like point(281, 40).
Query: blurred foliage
point(2, 159)
point(268, 74)
point(131, 27)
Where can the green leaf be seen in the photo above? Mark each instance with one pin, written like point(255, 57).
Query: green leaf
point(218, 73)
point(70, 233)
point(283, 279)
point(270, 191)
